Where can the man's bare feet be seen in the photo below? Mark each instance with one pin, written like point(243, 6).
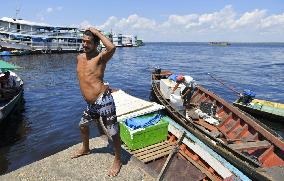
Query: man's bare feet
point(81, 152)
point(114, 170)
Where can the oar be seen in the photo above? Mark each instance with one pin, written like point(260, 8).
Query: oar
point(232, 89)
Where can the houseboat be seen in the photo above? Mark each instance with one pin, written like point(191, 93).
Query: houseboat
point(18, 34)
point(117, 40)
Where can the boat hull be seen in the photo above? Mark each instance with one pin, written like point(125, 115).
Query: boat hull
point(260, 114)
point(8, 107)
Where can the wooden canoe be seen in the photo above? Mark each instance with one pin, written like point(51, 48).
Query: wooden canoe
point(267, 110)
point(242, 140)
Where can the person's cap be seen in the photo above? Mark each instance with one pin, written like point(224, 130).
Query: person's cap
point(179, 78)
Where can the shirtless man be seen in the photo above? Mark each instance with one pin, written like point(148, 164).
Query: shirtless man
point(90, 69)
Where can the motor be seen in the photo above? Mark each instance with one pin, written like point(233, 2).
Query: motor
point(157, 70)
point(247, 96)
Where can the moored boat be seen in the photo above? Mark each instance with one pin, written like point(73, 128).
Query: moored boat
point(238, 137)
point(18, 34)
point(268, 110)
point(8, 104)
point(166, 146)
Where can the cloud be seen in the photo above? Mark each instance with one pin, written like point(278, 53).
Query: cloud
point(223, 25)
point(85, 24)
point(49, 10)
point(250, 19)
point(59, 8)
point(273, 21)
point(133, 23)
point(45, 13)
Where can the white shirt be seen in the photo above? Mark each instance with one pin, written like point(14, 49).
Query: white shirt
point(188, 82)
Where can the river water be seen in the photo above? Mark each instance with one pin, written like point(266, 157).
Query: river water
point(47, 119)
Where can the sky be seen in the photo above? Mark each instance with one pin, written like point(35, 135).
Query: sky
point(162, 20)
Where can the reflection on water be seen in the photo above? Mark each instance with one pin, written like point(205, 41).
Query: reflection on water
point(6, 58)
point(12, 130)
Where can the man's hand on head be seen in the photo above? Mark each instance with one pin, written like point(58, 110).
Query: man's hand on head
point(93, 30)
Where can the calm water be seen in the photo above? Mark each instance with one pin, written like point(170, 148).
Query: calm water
point(47, 119)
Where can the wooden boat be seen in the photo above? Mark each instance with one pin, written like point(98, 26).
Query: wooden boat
point(268, 110)
point(168, 148)
point(250, 146)
point(7, 105)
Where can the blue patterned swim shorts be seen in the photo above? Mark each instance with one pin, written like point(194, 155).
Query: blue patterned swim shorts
point(103, 107)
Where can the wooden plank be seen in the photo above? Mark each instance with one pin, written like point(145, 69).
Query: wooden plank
point(152, 152)
point(233, 126)
point(242, 132)
point(206, 125)
point(250, 145)
point(250, 138)
point(143, 157)
point(151, 146)
point(154, 157)
point(226, 117)
point(155, 149)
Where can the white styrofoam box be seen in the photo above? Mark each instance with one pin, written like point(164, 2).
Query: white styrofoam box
point(177, 102)
point(167, 86)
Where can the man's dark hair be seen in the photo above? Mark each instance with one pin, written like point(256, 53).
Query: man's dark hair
point(7, 73)
point(95, 38)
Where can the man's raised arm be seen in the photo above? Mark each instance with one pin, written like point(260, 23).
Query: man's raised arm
point(110, 48)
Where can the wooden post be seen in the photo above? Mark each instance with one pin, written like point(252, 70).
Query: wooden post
point(170, 157)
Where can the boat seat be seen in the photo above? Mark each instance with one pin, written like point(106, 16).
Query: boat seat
point(250, 145)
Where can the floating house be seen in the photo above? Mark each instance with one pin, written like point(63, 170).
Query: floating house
point(18, 34)
point(38, 37)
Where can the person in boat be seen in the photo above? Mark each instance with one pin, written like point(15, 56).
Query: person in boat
point(91, 66)
point(187, 88)
point(8, 86)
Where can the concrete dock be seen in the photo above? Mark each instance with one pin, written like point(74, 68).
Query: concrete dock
point(94, 166)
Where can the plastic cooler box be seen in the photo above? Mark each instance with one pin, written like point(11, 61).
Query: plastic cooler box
point(136, 139)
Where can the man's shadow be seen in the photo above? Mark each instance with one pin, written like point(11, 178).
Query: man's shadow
point(125, 156)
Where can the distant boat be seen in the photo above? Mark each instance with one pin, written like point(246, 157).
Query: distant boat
point(249, 145)
point(269, 110)
point(14, 52)
point(219, 43)
point(139, 43)
point(6, 106)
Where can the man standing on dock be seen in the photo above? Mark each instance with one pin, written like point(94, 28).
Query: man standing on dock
point(90, 70)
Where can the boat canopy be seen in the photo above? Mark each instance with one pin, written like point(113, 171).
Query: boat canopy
point(4, 66)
